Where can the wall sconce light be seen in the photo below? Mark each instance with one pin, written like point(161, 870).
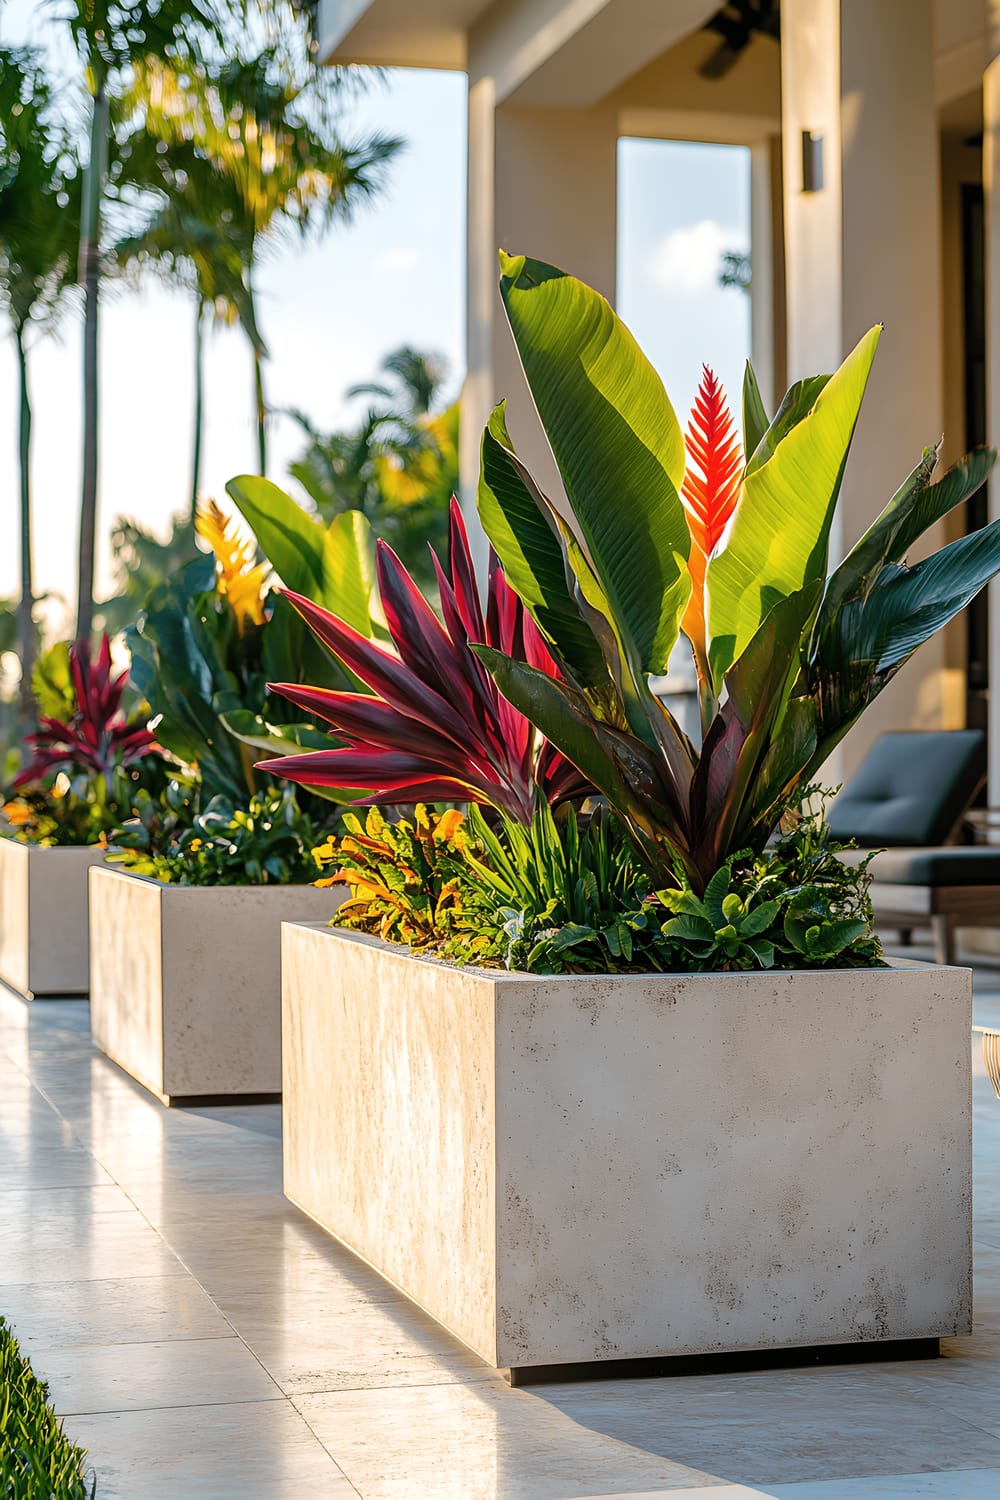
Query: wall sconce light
point(812, 162)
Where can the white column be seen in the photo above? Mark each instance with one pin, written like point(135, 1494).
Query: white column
point(865, 248)
point(542, 182)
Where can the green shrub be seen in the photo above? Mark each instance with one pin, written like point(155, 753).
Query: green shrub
point(268, 840)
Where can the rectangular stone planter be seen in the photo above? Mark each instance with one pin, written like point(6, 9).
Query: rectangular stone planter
point(184, 987)
point(43, 918)
point(590, 1168)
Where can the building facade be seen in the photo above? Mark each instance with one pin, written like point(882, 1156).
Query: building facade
point(873, 132)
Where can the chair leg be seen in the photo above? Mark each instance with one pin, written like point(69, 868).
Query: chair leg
point(944, 939)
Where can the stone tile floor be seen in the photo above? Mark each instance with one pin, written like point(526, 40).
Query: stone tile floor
point(207, 1342)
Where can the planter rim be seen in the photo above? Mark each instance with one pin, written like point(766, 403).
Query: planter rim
point(10, 838)
point(501, 976)
point(176, 885)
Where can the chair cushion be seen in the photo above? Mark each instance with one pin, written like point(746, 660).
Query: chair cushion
point(911, 788)
point(958, 865)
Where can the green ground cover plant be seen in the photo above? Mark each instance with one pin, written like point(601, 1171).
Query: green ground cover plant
point(566, 895)
point(37, 1460)
point(268, 841)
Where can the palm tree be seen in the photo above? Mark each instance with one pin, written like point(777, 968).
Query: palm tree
point(39, 235)
point(189, 239)
point(112, 38)
point(267, 121)
point(399, 466)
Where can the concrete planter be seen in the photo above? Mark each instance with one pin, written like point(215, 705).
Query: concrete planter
point(585, 1168)
point(184, 981)
point(43, 918)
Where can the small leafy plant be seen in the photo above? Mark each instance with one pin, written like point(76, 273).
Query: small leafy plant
point(88, 764)
point(556, 898)
point(407, 879)
point(37, 1459)
point(266, 841)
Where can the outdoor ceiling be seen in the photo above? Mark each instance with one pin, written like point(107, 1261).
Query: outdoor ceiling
point(398, 33)
point(562, 53)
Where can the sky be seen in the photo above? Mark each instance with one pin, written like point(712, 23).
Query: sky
point(332, 308)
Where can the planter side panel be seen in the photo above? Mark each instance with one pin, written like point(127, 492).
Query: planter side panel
point(58, 926)
point(699, 1164)
point(222, 984)
point(14, 914)
point(126, 994)
point(388, 1118)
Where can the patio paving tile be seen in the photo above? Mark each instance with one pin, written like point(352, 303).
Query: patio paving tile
point(251, 1451)
point(477, 1442)
point(957, 1484)
point(130, 1377)
point(140, 1309)
point(321, 1342)
point(785, 1426)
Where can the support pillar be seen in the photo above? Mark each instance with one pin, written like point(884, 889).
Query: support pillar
point(862, 245)
point(991, 205)
point(542, 182)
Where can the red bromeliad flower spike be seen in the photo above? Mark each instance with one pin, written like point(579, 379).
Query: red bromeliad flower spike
point(437, 728)
point(98, 738)
point(709, 494)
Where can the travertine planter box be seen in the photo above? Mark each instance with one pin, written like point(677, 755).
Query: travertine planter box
point(184, 983)
point(43, 918)
point(587, 1168)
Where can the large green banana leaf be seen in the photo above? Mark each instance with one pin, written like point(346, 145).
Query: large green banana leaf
point(871, 638)
point(622, 767)
point(908, 605)
point(519, 521)
point(758, 687)
point(617, 442)
point(755, 419)
point(777, 540)
point(332, 565)
point(916, 506)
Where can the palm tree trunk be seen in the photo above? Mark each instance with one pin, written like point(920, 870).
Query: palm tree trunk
point(258, 378)
point(90, 275)
point(199, 405)
point(25, 613)
point(260, 405)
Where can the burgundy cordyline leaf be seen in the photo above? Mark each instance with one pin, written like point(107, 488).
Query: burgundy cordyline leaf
point(98, 738)
point(438, 728)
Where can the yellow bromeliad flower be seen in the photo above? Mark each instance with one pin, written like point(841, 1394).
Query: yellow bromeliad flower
point(239, 580)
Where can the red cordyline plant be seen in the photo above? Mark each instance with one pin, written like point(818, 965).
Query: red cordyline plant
point(98, 739)
point(437, 728)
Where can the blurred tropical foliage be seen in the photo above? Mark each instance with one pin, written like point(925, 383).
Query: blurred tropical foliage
point(207, 133)
point(398, 466)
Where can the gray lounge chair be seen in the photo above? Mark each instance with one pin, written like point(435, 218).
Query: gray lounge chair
point(909, 797)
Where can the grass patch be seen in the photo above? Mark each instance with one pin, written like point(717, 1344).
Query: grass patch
point(37, 1459)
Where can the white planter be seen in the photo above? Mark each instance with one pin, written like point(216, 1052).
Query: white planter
point(184, 982)
point(43, 918)
point(592, 1168)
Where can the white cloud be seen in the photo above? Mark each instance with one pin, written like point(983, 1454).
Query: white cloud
point(397, 258)
point(688, 259)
